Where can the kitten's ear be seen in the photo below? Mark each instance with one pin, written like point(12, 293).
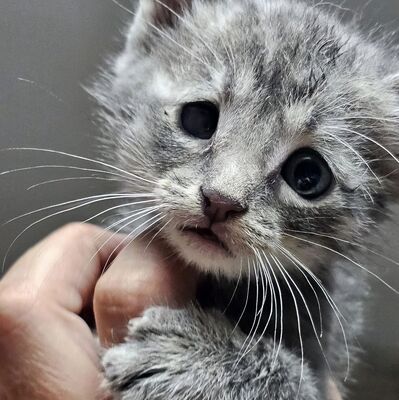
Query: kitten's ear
point(156, 14)
point(162, 12)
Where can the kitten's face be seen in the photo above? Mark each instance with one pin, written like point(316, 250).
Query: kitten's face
point(261, 125)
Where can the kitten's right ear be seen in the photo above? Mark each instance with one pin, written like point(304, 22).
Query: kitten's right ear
point(154, 15)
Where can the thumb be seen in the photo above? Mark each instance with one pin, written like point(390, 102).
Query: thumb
point(139, 278)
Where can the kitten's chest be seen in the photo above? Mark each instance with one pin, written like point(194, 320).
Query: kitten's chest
point(297, 315)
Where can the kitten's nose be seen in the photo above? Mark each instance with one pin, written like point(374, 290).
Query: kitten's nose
point(218, 207)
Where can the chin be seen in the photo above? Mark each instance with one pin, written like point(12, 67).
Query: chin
point(206, 255)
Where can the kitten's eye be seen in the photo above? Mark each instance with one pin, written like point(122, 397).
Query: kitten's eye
point(200, 119)
point(307, 173)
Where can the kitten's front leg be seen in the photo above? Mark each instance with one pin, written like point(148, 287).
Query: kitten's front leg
point(191, 354)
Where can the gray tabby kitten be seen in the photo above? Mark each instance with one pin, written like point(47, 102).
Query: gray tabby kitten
point(266, 133)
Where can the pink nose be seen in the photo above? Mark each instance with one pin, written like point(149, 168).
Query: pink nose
point(218, 207)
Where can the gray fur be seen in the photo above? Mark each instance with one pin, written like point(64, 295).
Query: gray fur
point(285, 75)
point(189, 354)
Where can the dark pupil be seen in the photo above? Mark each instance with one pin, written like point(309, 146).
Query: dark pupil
point(200, 119)
point(307, 175)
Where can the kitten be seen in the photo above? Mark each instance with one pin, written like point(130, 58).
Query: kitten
point(266, 132)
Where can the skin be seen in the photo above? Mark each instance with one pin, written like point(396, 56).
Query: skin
point(47, 347)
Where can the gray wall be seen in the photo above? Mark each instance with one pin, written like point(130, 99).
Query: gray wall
point(57, 44)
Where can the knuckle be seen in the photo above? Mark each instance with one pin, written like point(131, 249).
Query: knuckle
point(76, 234)
point(75, 230)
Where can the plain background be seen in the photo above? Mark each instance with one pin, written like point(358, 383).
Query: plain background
point(49, 49)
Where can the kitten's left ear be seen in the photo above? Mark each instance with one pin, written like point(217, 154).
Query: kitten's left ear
point(163, 12)
point(156, 14)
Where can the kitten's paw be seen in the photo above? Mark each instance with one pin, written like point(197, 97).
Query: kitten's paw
point(160, 357)
point(191, 354)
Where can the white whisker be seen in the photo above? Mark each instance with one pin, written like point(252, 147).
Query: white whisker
point(358, 155)
point(77, 157)
point(130, 218)
point(158, 232)
point(125, 215)
point(123, 7)
point(282, 249)
point(44, 219)
point(349, 259)
point(99, 197)
point(70, 167)
point(252, 331)
point(280, 267)
point(363, 247)
point(74, 179)
point(281, 311)
point(235, 290)
point(288, 275)
point(157, 218)
point(296, 262)
point(246, 298)
point(370, 140)
point(272, 305)
point(135, 203)
point(258, 314)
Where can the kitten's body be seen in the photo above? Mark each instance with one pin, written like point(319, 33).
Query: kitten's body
point(285, 76)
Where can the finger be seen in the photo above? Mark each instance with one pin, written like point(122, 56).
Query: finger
point(332, 390)
point(64, 267)
point(139, 278)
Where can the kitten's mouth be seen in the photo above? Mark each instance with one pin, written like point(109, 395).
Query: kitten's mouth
point(207, 235)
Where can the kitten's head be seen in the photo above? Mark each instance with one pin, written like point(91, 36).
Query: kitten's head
point(259, 125)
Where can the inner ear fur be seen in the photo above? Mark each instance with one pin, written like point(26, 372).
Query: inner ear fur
point(163, 13)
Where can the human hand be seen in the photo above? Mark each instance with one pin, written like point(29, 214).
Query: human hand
point(47, 349)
